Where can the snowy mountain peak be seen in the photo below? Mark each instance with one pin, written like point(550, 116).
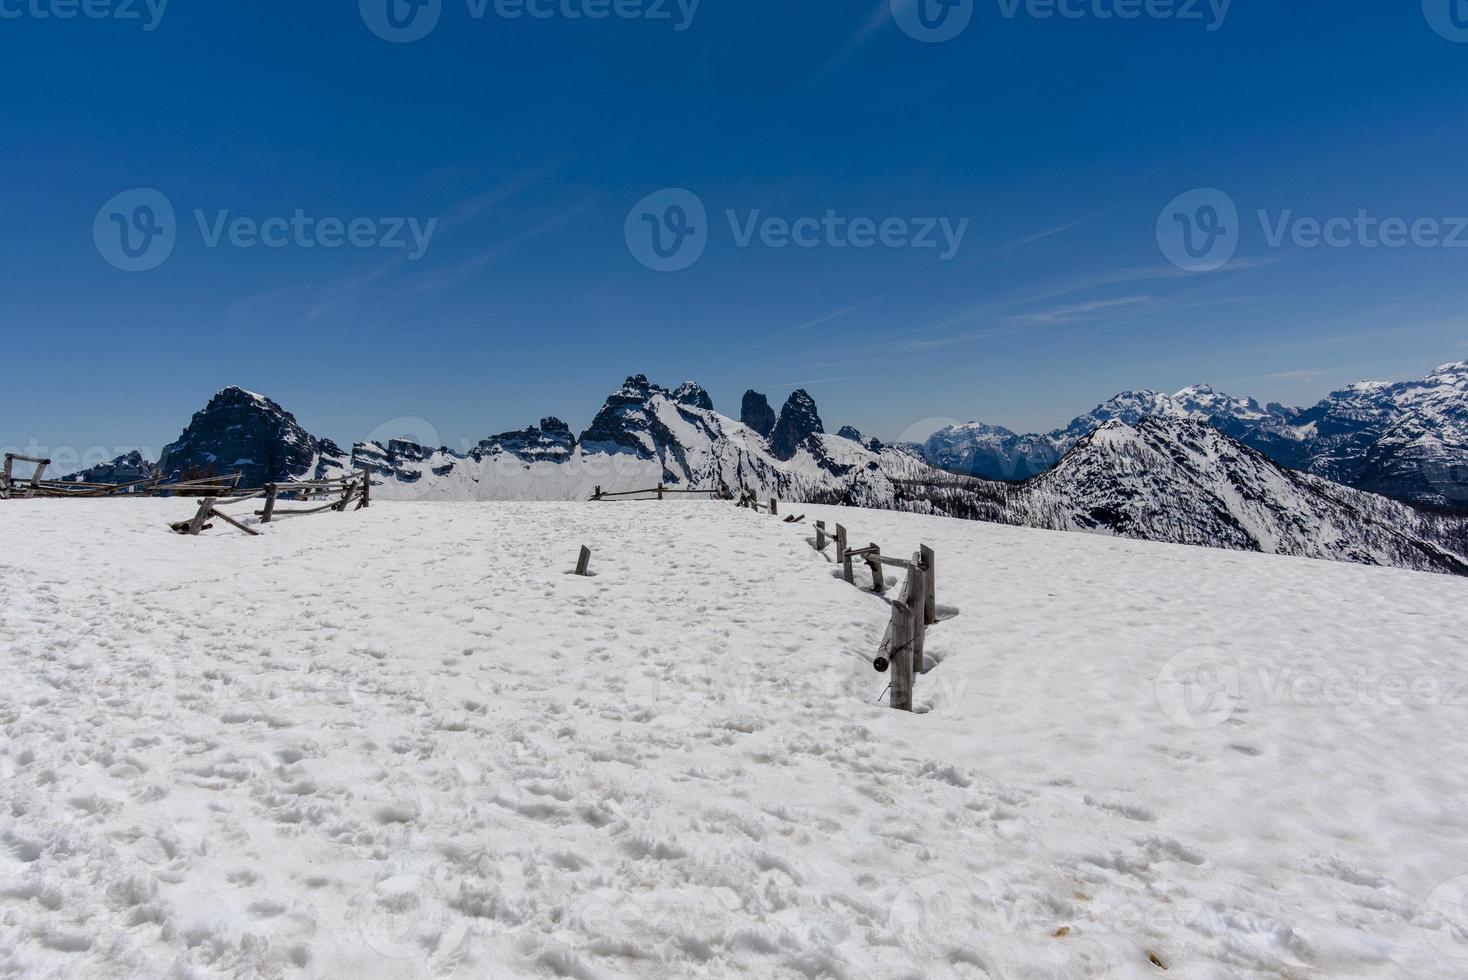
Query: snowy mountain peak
point(691, 393)
point(798, 421)
point(243, 431)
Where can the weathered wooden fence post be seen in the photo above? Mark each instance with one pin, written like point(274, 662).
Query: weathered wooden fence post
point(197, 524)
point(597, 495)
point(820, 535)
point(584, 562)
point(5, 484)
point(874, 562)
point(930, 585)
point(774, 507)
point(366, 488)
point(917, 596)
point(902, 643)
point(36, 476)
point(269, 512)
point(660, 491)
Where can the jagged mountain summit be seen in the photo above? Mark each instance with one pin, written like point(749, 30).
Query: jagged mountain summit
point(130, 467)
point(1407, 440)
point(996, 453)
point(241, 431)
point(1184, 481)
point(645, 435)
point(1159, 478)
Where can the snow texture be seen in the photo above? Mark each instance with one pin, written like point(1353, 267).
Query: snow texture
point(405, 742)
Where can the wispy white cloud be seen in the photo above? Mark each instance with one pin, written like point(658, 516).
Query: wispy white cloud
point(1077, 311)
point(1297, 376)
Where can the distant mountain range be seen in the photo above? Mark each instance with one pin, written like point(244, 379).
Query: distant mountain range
point(1148, 466)
point(1407, 440)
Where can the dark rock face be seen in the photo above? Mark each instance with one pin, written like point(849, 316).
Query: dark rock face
point(623, 418)
point(240, 431)
point(854, 434)
point(551, 441)
point(1184, 481)
point(798, 421)
point(692, 394)
point(127, 468)
point(757, 413)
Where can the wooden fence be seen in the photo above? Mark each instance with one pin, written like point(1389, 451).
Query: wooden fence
point(339, 493)
point(913, 611)
point(661, 491)
point(36, 485)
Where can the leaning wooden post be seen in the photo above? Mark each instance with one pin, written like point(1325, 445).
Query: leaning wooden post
point(874, 562)
point(197, 524)
point(902, 633)
point(584, 562)
point(36, 476)
point(269, 511)
point(930, 585)
point(820, 535)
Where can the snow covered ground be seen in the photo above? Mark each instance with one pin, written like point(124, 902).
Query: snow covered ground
point(404, 742)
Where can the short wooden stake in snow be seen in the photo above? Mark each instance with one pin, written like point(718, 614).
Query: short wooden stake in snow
point(774, 507)
point(366, 488)
point(660, 491)
point(842, 556)
point(820, 535)
point(928, 561)
point(584, 562)
point(269, 512)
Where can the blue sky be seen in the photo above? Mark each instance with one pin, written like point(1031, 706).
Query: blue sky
point(527, 142)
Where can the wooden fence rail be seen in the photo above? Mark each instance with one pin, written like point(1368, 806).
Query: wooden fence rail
point(913, 611)
point(357, 487)
point(721, 492)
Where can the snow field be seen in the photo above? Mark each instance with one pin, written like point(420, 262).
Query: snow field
point(405, 742)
